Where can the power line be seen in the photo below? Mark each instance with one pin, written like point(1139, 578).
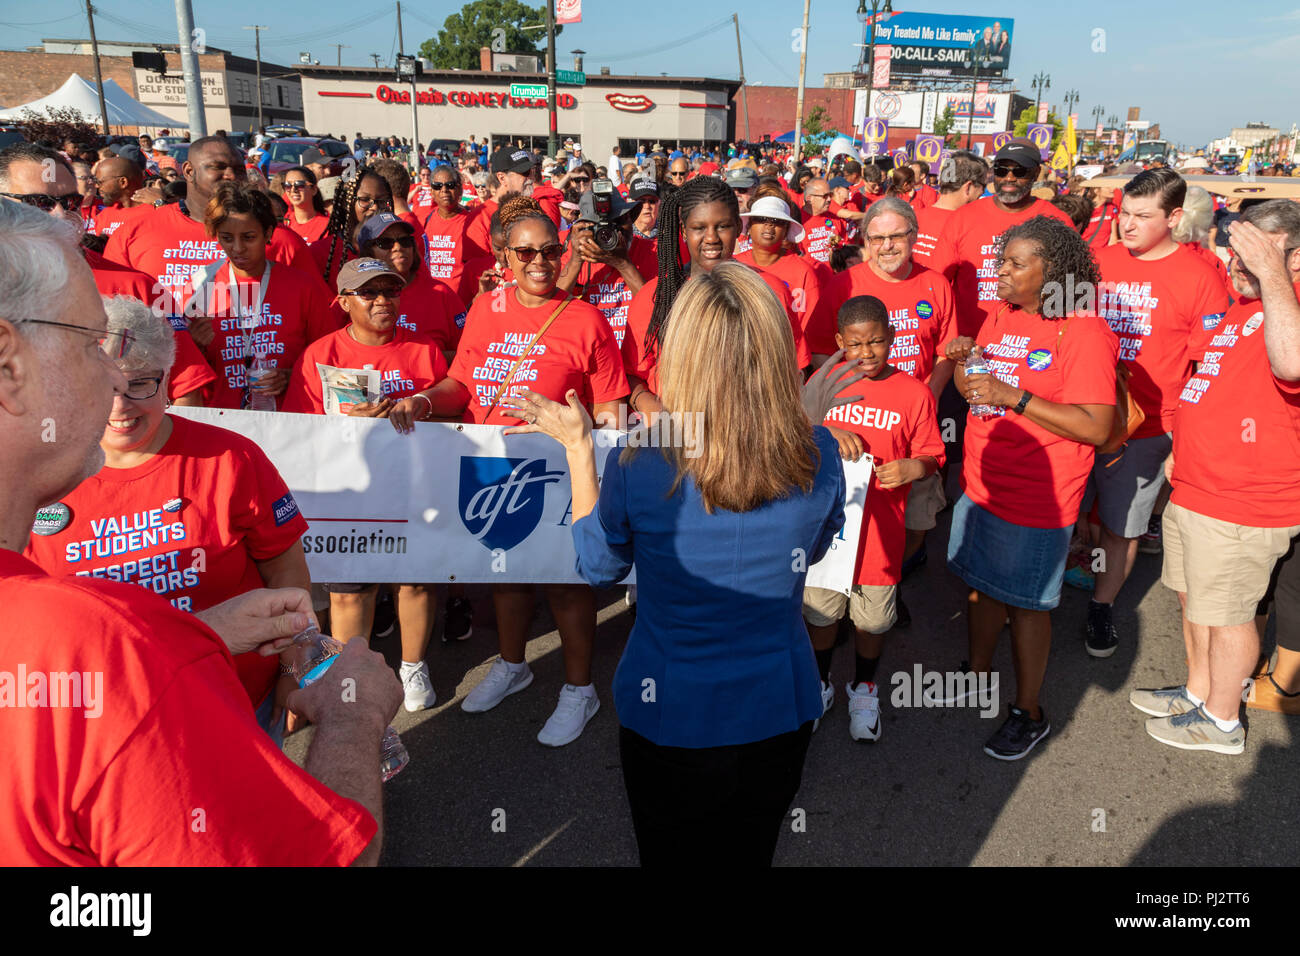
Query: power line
point(681, 41)
point(41, 23)
point(783, 71)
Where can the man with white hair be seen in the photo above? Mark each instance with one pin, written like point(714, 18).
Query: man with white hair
point(135, 743)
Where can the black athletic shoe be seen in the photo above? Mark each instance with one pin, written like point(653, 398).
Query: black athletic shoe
point(459, 625)
point(385, 618)
point(1102, 638)
point(903, 617)
point(1017, 735)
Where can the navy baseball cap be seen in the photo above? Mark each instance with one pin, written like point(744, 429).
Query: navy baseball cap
point(373, 227)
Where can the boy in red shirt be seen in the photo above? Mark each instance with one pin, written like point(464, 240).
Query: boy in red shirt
point(895, 423)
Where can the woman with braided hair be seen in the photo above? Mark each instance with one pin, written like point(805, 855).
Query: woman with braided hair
point(704, 215)
point(530, 337)
point(359, 198)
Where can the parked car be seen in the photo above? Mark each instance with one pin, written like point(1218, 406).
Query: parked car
point(10, 135)
point(286, 152)
point(242, 141)
point(281, 129)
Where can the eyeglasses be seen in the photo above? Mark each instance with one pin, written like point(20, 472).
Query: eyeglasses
point(444, 185)
point(1003, 170)
point(138, 389)
point(367, 203)
point(43, 202)
point(296, 185)
point(389, 292)
point(406, 242)
point(881, 240)
point(527, 254)
point(115, 343)
point(816, 195)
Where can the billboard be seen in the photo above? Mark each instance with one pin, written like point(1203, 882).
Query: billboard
point(990, 111)
point(941, 44)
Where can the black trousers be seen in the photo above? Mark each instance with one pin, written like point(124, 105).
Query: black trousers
point(1284, 596)
point(713, 805)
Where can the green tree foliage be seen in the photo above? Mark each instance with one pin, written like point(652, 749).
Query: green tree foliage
point(943, 126)
point(462, 35)
point(1027, 116)
point(817, 124)
point(56, 125)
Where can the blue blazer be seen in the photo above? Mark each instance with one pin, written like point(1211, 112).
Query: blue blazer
point(719, 654)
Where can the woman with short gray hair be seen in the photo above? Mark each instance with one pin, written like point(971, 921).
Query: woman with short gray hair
point(193, 512)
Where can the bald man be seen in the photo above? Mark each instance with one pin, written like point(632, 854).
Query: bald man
point(822, 230)
point(118, 179)
point(678, 171)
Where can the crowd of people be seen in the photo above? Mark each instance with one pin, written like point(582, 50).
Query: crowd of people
point(1077, 373)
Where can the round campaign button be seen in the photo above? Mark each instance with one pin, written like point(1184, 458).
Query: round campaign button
point(1254, 322)
point(52, 519)
point(172, 505)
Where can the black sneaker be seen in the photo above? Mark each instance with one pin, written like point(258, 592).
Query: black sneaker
point(459, 625)
point(385, 618)
point(1101, 638)
point(902, 616)
point(1017, 735)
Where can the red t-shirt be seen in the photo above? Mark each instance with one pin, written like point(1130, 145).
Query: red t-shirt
point(896, 419)
point(603, 286)
point(852, 236)
point(427, 309)
point(639, 362)
point(803, 282)
point(295, 313)
point(1237, 430)
point(577, 352)
point(408, 364)
point(821, 234)
point(921, 310)
point(1097, 233)
point(420, 199)
point(478, 232)
point(929, 224)
point(168, 245)
point(309, 231)
point(1164, 312)
point(967, 254)
point(173, 735)
point(449, 250)
point(109, 219)
point(1207, 256)
point(232, 509)
point(189, 371)
point(549, 198)
point(1015, 468)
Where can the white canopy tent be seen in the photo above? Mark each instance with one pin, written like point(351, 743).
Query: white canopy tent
point(76, 93)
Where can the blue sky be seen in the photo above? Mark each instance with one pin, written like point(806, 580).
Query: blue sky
point(1190, 67)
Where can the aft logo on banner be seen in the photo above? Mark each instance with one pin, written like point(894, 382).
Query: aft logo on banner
point(501, 499)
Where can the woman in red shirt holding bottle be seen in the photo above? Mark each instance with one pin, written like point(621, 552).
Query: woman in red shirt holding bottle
point(552, 344)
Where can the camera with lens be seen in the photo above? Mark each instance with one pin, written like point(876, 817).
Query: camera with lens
point(603, 206)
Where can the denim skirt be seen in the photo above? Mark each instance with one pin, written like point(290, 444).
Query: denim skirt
point(1010, 563)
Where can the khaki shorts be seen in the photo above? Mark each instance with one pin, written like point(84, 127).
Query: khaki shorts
point(1223, 568)
point(873, 608)
point(924, 502)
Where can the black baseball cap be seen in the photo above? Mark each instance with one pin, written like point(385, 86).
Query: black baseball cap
point(512, 161)
point(641, 188)
point(1022, 152)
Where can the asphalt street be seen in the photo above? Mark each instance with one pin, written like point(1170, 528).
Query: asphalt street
point(480, 789)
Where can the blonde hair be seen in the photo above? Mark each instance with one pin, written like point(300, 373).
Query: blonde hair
point(1198, 215)
point(728, 361)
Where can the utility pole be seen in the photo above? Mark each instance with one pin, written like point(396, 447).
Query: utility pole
point(190, 70)
point(744, 90)
point(339, 48)
point(798, 109)
point(376, 57)
point(257, 35)
point(415, 119)
point(99, 78)
point(552, 138)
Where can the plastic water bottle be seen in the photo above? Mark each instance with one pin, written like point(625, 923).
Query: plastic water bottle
point(312, 654)
point(976, 365)
point(260, 401)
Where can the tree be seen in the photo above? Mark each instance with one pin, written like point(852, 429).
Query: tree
point(486, 23)
point(943, 126)
point(817, 124)
point(1027, 116)
point(58, 125)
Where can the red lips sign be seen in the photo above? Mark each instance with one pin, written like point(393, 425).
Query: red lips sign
point(630, 103)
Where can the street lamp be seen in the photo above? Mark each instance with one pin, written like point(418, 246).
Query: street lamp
point(1071, 98)
point(1040, 83)
point(869, 19)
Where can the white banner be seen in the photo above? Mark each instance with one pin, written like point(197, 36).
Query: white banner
point(448, 502)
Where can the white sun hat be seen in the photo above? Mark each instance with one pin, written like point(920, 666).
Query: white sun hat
point(769, 207)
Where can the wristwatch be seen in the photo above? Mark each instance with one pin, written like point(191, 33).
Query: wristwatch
point(1024, 400)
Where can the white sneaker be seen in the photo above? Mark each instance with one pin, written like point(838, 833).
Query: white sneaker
point(864, 712)
point(499, 684)
point(571, 715)
point(828, 698)
point(418, 689)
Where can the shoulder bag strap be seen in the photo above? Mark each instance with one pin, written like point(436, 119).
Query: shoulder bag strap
point(519, 361)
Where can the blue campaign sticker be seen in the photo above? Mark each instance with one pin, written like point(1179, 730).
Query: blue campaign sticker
point(924, 309)
point(1209, 322)
point(286, 509)
point(1039, 360)
point(460, 320)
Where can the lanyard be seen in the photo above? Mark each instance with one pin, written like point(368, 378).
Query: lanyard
point(249, 319)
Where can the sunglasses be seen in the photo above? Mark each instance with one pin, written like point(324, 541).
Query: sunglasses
point(1002, 170)
point(676, 174)
point(443, 185)
point(296, 185)
point(370, 295)
point(580, 179)
point(406, 242)
point(765, 221)
point(69, 201)
point(527, 254)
